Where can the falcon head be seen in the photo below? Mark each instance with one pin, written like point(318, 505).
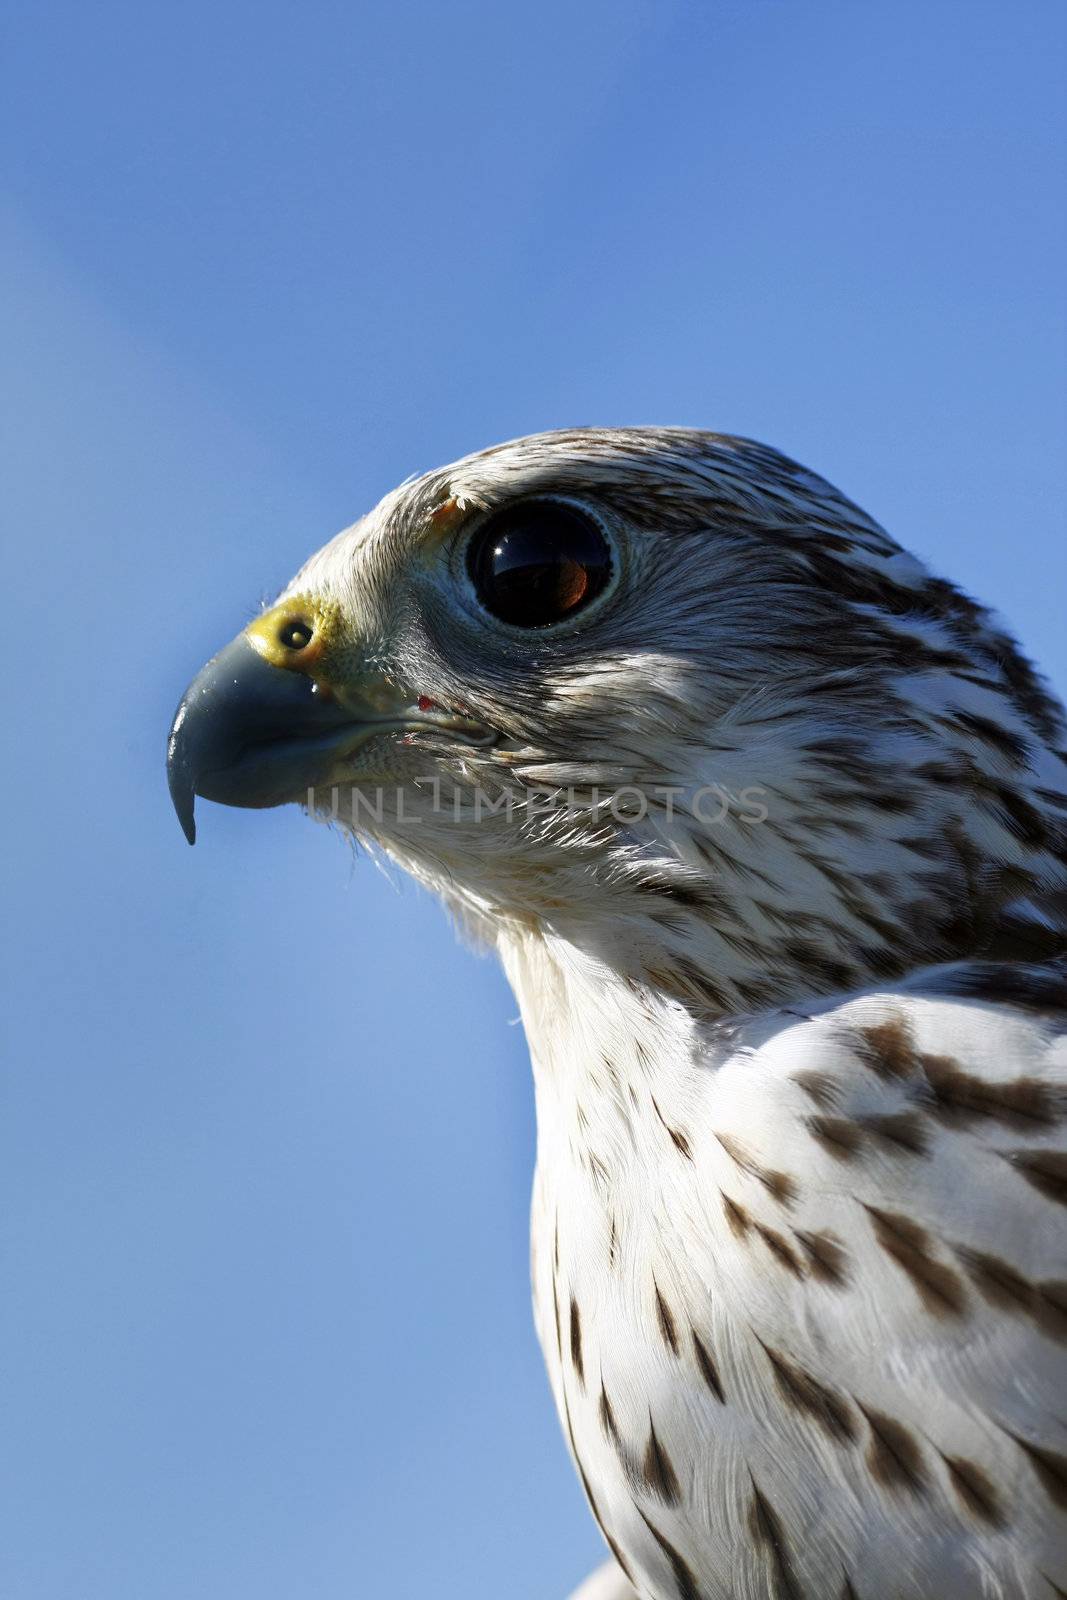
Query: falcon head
point(666, 695)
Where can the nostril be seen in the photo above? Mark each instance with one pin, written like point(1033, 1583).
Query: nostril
point(295, 634)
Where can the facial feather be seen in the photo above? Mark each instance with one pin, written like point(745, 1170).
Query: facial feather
point(762, 637)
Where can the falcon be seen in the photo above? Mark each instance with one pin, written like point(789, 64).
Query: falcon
point(768, 826)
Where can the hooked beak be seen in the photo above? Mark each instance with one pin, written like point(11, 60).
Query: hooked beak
point(249, 733)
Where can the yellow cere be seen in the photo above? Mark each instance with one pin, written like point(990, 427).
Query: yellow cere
point(299, 634)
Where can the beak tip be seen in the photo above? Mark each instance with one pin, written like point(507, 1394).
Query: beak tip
point(184, 803)
point(179, 780)
point(245, 732)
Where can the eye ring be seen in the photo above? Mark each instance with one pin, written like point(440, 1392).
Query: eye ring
point(537, 563)
point(295, 633)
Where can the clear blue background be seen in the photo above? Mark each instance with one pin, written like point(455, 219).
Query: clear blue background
point(268, 1130)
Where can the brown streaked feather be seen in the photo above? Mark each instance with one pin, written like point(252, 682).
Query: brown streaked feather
point(766, 1529)
point(576, 1343)
point(657, 1470)
point(887, 1048)
point(684, 1576)
point(826, 1258)
point(708, 1370)
point(909, 1245)
point(1004, 1286)
point(975, 1489)
point(806, 1394)
point(821, 1087)
point(665, 1319)
point(894, 1457)
point(779, 1185)
point(780, 1249)
point(736, 1215)
point(1045, 1169)
point(838, 1136)
point(607, 1417)
point(959, 1096)
point(904, 1130)
point(1050, 1466)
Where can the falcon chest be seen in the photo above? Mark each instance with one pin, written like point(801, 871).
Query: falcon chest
point(628, 1314)
point(763, 1354)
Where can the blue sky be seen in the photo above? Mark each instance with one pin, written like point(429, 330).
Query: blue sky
point(267, 1127)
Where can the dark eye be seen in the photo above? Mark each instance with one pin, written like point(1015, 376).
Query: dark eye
point(537, 562)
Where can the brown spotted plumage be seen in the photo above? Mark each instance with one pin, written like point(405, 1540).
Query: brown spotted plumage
point(708, 1370)
point(1045, 1169)
point(825, 1257)
point(910, 1246)
point(893, 1454)
point(831, 1412)
point(958, 1095)
point(974, 1488)
point(768, 825)
point(766, 1529)
point(665, 1319)
point(1050, 1467)
point(657, 1470)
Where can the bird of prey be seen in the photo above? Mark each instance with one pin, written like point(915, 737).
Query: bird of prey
point(768, 825)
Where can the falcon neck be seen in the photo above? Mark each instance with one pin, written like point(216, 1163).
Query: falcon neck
point(599, 1042)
